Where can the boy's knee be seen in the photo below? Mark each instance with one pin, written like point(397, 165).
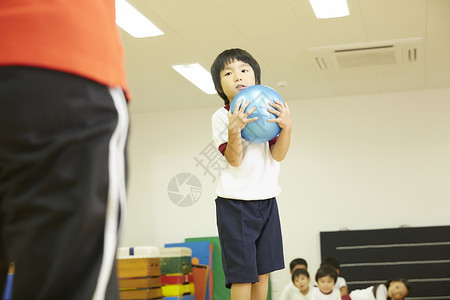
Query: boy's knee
point(263, 279)
point(264, 276)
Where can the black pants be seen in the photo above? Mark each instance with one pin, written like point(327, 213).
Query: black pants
point(62, 183)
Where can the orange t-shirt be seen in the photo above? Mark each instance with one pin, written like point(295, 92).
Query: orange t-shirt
point(74, 36)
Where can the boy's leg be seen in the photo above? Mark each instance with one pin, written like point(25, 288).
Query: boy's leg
point(239, 225)
point(61, 183)
point(270, 244)
point(260, 288)
point(241, 291)
point(256, 291)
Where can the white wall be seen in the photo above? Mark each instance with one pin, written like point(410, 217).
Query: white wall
point(362, 162)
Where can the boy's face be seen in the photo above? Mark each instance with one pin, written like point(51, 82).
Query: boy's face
point(236, 76)
point(302, 282)
point(397, 290)
point(326, 284)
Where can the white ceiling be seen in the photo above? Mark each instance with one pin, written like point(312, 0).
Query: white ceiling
point(278, 33)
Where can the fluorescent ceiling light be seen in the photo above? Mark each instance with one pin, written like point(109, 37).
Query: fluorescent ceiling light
point(325, 9)
point(198, 76)
point(133, 22)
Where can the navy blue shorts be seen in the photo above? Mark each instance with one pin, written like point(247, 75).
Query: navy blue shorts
point(250, 237)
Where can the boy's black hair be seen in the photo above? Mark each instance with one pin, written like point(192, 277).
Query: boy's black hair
point(327, 270)
point(331, 261)
point(296, 262)
point(298, 272)
point(229, 56)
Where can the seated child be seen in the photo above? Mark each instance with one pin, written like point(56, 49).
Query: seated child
point(298, 263)
point(341, 284)
point(290, 290)
point(301, 280)
point(326, 278)
point(396, 289)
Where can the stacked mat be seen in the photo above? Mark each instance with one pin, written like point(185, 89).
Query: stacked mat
point(139, 273)
point(176, 273)
point(202, 267)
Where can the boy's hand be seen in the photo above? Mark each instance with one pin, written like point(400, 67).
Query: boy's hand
point(281, 147)
point(282, 111)
point(239, 119)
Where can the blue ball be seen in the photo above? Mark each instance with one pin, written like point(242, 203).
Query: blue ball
point(261, 130)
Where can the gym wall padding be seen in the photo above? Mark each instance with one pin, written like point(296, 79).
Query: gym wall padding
point(220, 292)
point(369, 257)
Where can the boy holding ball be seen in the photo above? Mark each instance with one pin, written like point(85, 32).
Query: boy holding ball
point(247, 213)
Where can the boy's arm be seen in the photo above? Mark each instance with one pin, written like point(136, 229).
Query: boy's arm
point(233, 152)
point(344, 291)
point(237, 121)
point(281, 147)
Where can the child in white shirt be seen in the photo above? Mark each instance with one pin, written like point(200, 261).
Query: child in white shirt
point(290, 290)
point(340, 284)
point(326, 278)
point(302, 281)
point(393, 289)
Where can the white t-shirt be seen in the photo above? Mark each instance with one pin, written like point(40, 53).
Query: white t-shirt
point(340, 282)
point(367, 294)
point(257, 176)
point(316, 294)
point(300, 296)
point(291, 292)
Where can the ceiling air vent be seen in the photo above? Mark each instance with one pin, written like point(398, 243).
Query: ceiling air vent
point(367, 55)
